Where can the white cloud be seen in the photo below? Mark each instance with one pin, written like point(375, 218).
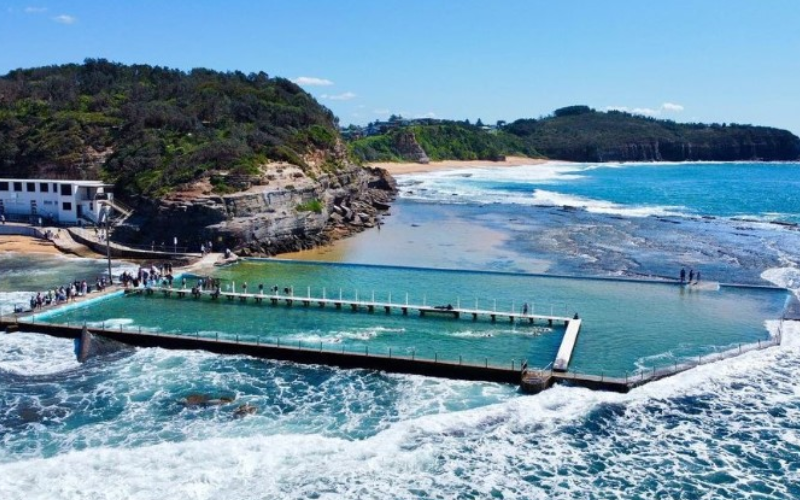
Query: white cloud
point(382, 112)
point(671, 106)
point(667, 107)
point(429, 114)
point(345, 96)
point(312, 81)
point(35, 10)
point(65, 19)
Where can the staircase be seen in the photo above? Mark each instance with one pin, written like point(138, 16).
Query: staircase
point(124, 210)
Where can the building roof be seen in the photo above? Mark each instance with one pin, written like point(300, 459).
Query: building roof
point(81, 183)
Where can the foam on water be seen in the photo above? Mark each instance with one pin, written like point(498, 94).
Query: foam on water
point(729, 190)
point(785, 277)
point(336, 336)
point(551, 198)
point(112, 323)
point(526, 331)
point(10, 299)
point(24, 354)
point(723, 429)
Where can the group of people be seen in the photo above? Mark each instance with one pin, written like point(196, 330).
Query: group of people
point(206, 248)
point(154, 275)
point(64, 293)
point(693, 277)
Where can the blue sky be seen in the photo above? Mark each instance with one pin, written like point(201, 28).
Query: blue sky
point(701, 60)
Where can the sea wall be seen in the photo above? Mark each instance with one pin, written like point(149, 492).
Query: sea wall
point(350, 360)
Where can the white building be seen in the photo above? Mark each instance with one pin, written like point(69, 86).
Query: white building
point(66, 202)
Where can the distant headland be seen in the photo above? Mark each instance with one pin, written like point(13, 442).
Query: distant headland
point(574, 133)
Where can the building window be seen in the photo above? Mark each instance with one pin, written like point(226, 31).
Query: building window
point(30, 187)
point(67, 206)
point(44, 187)
point(4, 186)
point(66, 190)
point(18, 186)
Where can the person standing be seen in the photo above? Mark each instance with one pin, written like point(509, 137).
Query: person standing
point(691, 275)
point(683, 275)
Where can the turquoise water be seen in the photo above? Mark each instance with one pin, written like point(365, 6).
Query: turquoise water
point(626, 326)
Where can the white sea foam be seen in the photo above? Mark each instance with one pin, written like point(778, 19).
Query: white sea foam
point(32, 354)
point(541, 173)
point(336, 336)
point(111, 323)
point(786, 277)
point(523, 330)
point(470, 185)
point(474, 186)
point(477, 452)
point(10, 299)
point(552, 198)
point(637, 440)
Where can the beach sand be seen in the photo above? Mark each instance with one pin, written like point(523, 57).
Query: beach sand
point(416, 168)
point(26, 244)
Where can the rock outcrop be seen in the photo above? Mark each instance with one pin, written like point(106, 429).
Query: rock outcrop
point(409, 149)
point(284, 211)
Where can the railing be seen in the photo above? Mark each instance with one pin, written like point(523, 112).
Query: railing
point(639, 377)
point(409, 354)
point(89, 235)
point(117, 205)
point(229, 290)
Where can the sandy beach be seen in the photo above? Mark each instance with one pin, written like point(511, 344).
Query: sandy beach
point(26, 244)
point(416, 168)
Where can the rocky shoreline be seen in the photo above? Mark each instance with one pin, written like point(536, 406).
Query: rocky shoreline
point(285, 210)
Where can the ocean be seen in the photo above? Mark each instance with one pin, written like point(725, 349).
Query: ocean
point(123, 426)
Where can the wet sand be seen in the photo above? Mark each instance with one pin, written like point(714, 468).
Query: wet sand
point(417, 168)
point(27, 244)
point(430, 236)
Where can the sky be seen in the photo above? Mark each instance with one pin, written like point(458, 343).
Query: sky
point(725, 61)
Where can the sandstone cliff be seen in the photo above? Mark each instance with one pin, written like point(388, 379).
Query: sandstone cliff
point(284, 210)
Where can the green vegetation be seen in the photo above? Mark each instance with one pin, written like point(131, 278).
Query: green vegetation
point(149, 129)
point(462, 142)
point(579, 133)
point(441, 141)
point(314, 205)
